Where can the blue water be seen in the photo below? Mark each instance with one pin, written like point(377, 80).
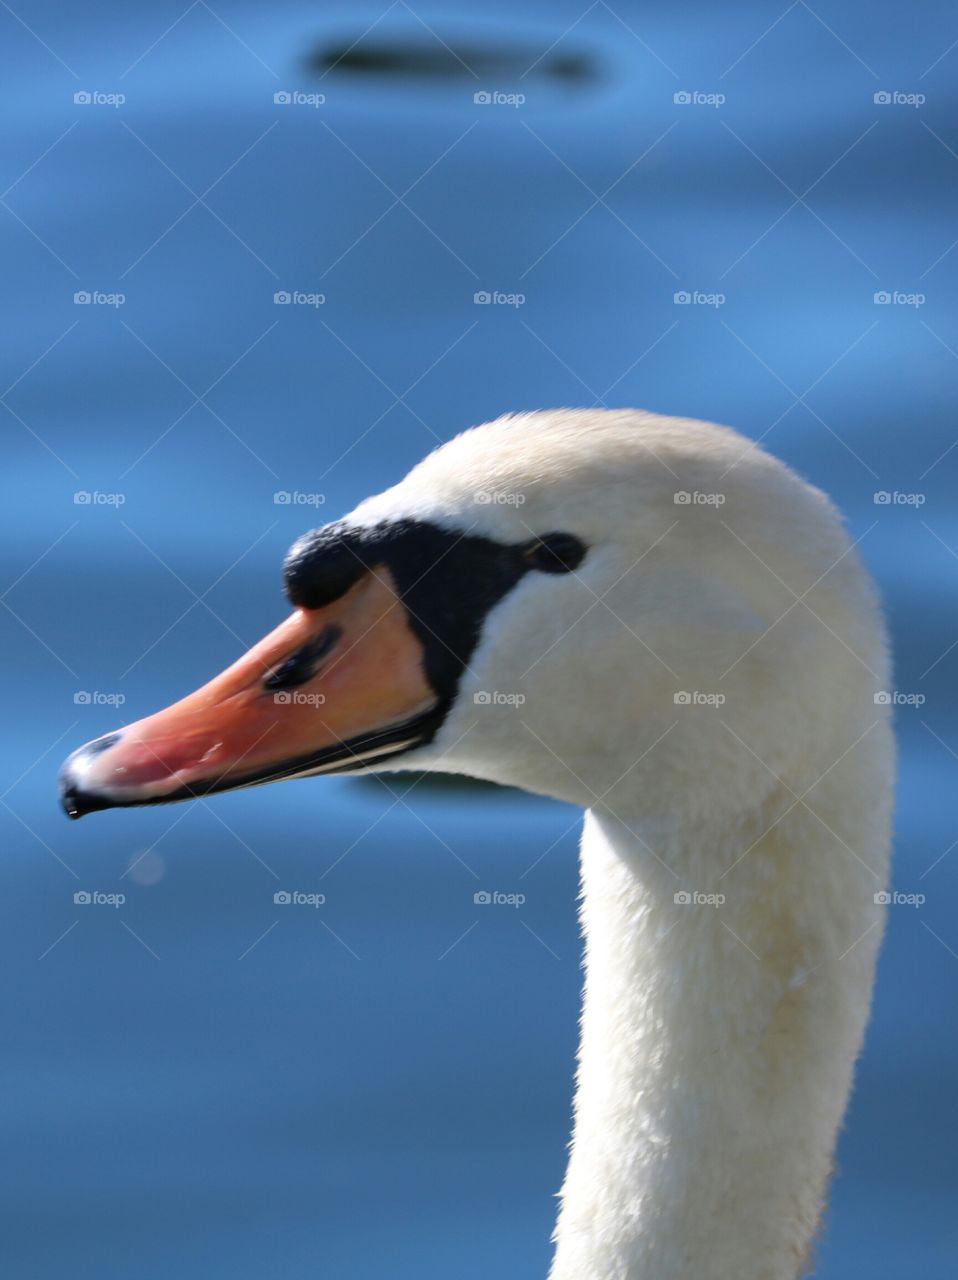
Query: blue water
point(355, 1093)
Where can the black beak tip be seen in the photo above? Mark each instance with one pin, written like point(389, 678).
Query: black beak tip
point(70, 802)
point(76, 803)
point(74, 800)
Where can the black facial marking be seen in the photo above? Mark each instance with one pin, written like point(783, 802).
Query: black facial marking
point(448, 582)
point(301, 665)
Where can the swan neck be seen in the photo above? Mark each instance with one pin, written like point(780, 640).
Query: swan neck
point(720, 1027)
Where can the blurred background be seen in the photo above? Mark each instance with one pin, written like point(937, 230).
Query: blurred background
point(258, 258)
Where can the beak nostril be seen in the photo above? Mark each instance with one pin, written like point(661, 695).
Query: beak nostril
point(301, 665)
point(99, 745)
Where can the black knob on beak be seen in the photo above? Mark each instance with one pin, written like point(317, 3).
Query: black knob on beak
point(322, 565)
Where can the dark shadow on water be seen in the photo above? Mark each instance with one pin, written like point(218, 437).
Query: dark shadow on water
point(408, 56)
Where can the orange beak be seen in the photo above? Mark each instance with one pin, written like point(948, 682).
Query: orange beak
point(336, 688)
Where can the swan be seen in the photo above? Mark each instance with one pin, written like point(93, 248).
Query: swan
point(700, 657)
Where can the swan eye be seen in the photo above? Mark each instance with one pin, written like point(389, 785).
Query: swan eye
point(555, 553)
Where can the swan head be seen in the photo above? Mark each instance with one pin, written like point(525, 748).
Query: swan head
point(580, 603)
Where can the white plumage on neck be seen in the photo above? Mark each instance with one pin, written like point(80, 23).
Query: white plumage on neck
point(704, 685)
point(717, 1042)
